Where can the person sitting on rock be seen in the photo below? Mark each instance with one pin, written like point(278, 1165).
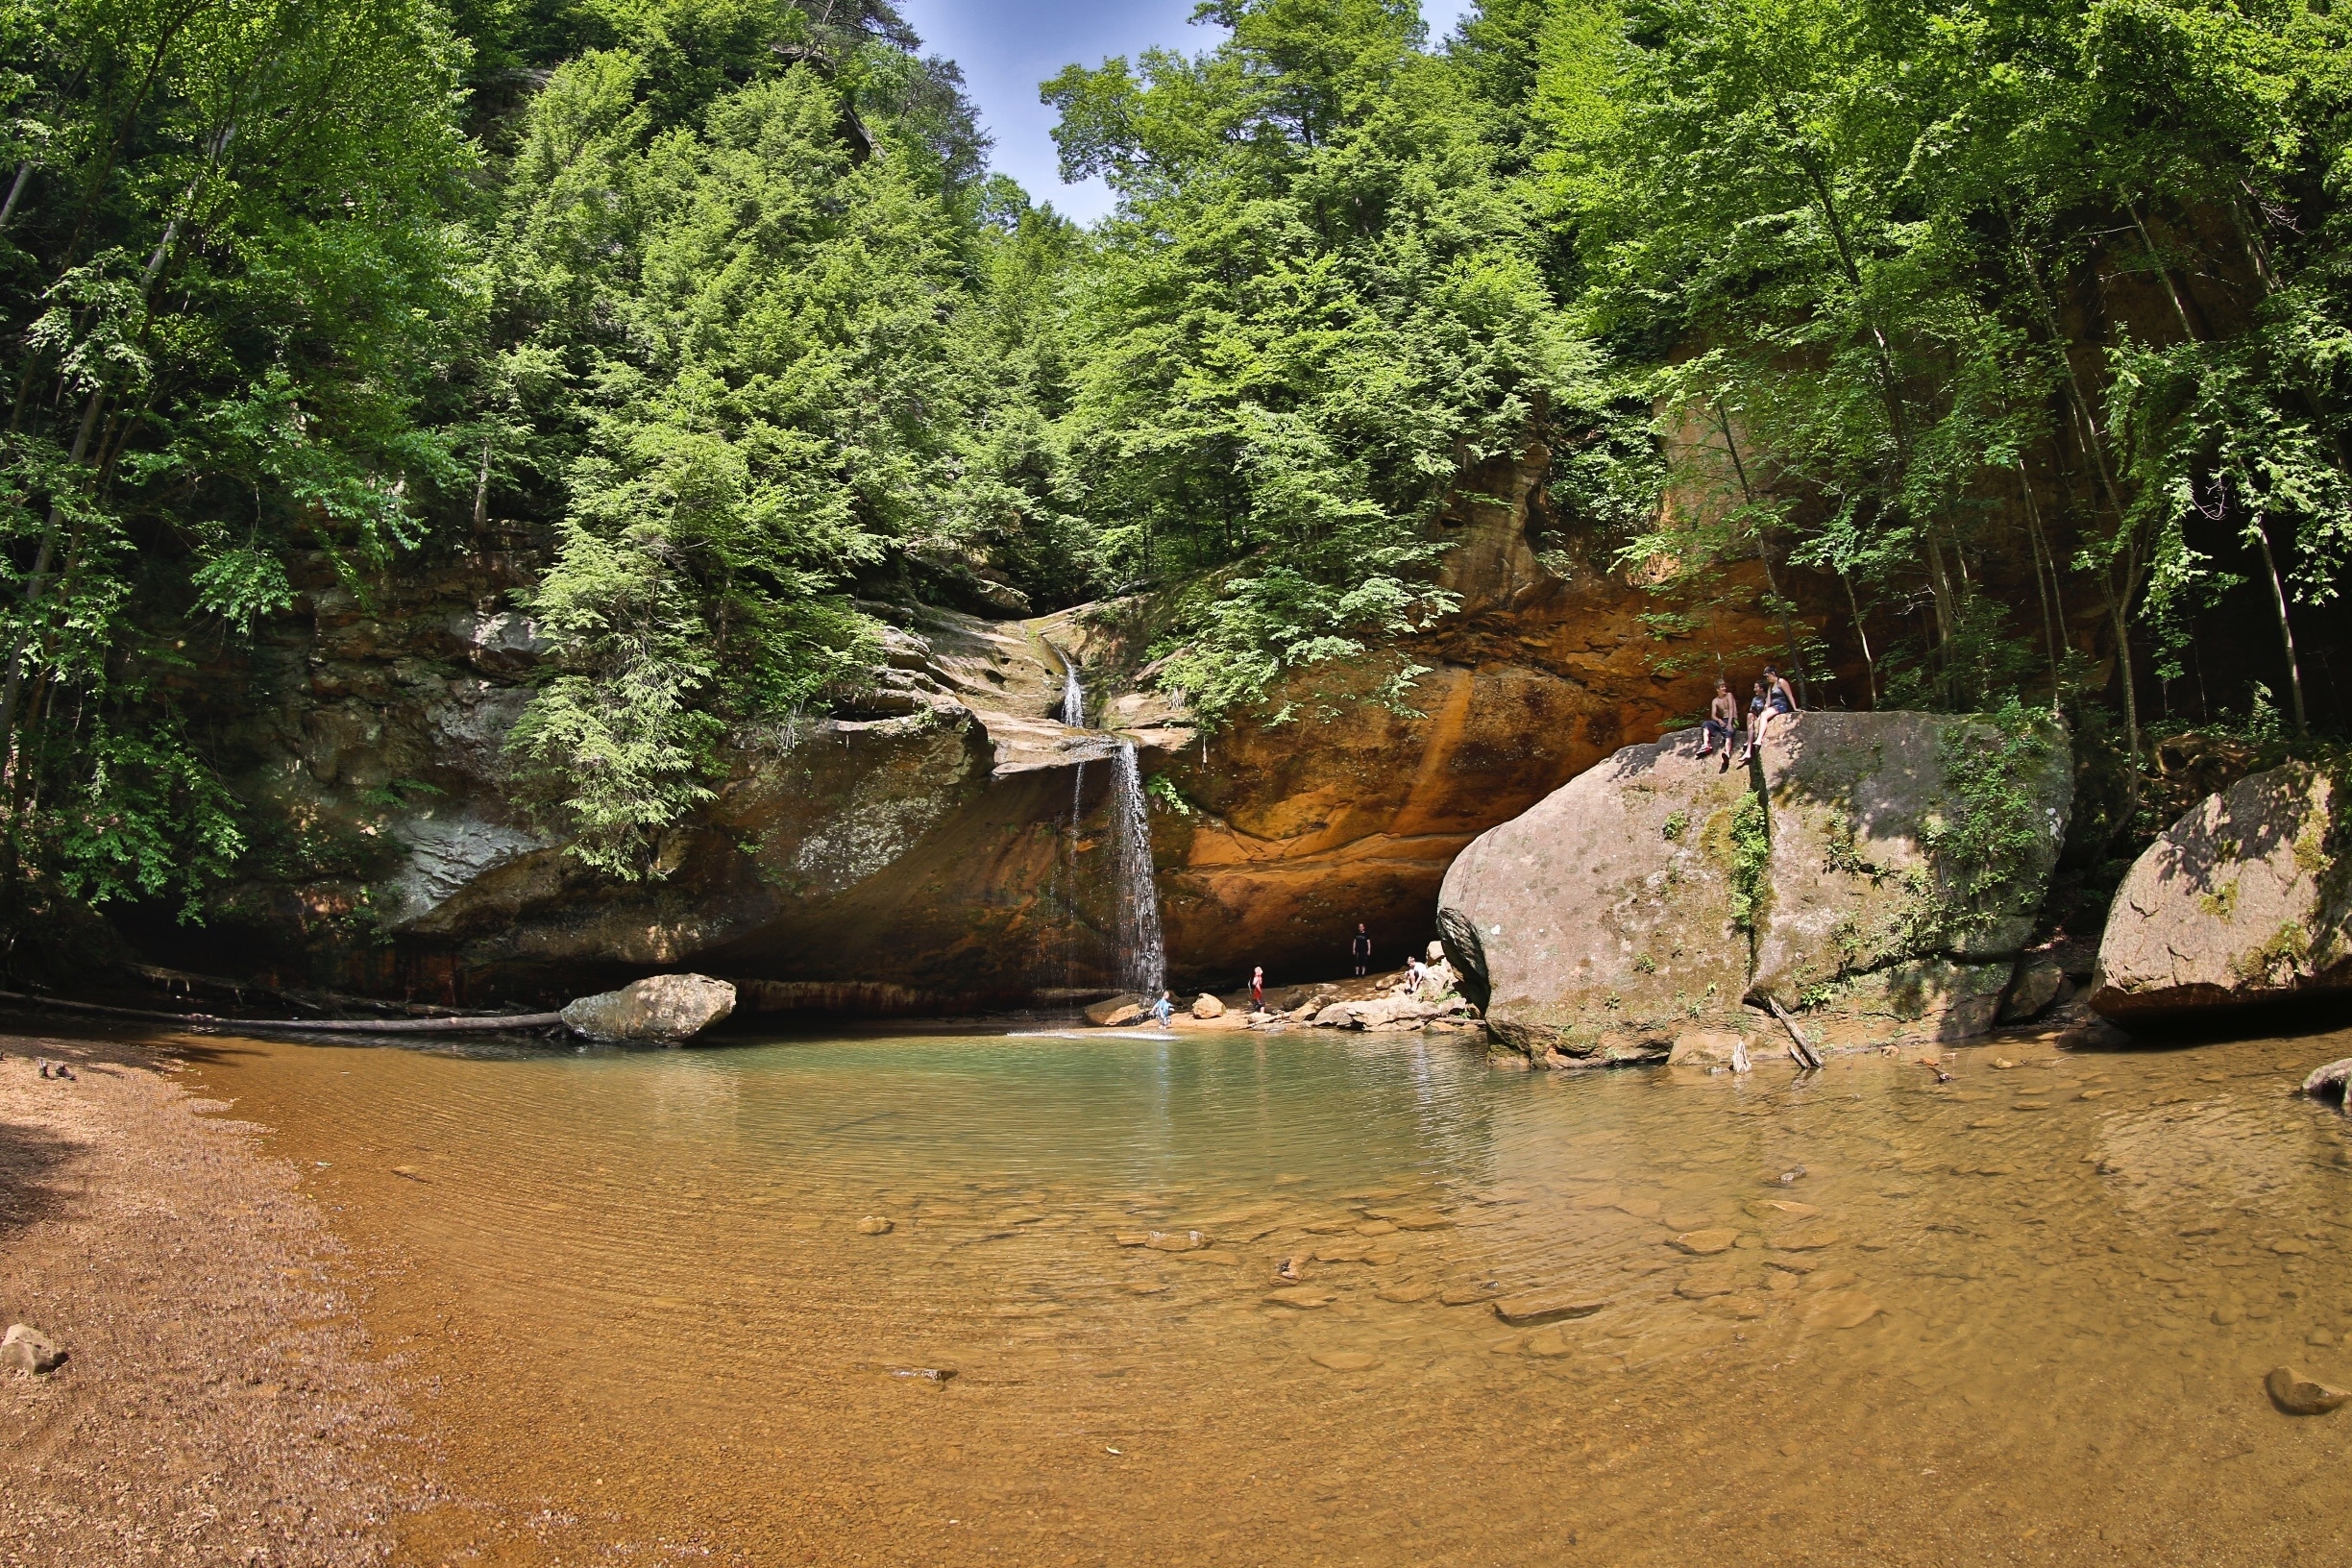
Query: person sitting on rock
point(1779, 697)
point(1755, 725)
point(1722, 721)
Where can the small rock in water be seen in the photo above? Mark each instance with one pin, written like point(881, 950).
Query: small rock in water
point(1791, 1176)
point(1546, 1307)
point(1781, 1281)
point(1805, 1240)
point(1345, 1361)
point(1132, 1238)
point(662, 1009)
point(1288, 1268)
point(2289, 1246)
point(1303, 1296)
point(1377, 1227)
point(924, 1374)
point(1465, 1295)
point(2319, 1337)
point(1832, 1279)
point(1704, 1243)
point(1407, 1294)
point(2228, 1312)
point(1712, 1280)
point(1840, 1310)
point(876, 1225)
point(27, 1349)
point(2003, 1063)
point(1175, 1240)
point(1766, 1208)
point(2291, 1393)
point(1417, 1219)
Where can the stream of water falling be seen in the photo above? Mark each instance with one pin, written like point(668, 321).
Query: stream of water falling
point(1142, 956)
point(1073, 694)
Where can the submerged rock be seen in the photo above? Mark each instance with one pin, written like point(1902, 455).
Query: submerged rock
point(2240, 901)
point(2290, 1390)
point(660, 1010)
point(1650, 898)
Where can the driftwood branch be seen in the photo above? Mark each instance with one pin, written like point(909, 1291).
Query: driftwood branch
point(1799, 1047)
point(207, 1023)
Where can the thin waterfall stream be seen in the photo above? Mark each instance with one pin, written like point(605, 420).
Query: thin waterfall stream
point(1142, 956)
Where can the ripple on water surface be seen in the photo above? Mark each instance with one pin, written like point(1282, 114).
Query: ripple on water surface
point(1358, 1298)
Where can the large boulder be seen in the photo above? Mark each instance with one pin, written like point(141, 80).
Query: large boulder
point(1603, 920)
point(1909, 854)
point(660, 1010)
point(2243, 901)
point(1878, 886)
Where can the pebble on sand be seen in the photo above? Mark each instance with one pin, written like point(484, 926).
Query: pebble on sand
point(1345, 1361)
point(876, 1225)
point(1704, 1243)
point(2298, 1395)
point(27, 1349)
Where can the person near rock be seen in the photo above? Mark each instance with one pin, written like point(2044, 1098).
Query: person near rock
point(1258, 988)
point(1361, 947)
point(1755, 725)
point(1779, 697)
point(1161, 1008)
point(1722, 721)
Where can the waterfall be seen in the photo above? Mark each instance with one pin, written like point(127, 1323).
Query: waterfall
point(1142, 958)
point(1073, 694)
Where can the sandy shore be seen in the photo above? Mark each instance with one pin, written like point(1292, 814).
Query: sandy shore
point(220, 1404)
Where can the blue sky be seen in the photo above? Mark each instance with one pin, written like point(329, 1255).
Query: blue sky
point(1007, 47)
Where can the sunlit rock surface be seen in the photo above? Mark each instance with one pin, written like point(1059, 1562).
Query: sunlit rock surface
point(1657, 894)
point(2243, 901)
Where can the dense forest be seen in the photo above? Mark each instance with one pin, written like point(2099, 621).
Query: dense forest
point(1973, 315)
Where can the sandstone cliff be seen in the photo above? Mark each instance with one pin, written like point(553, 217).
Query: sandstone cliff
point(942, 842)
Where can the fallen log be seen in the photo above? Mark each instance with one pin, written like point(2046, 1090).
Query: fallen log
point(1799, 1047)
point(209, 1023)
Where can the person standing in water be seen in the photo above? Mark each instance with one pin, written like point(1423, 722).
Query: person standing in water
point(1258, 988)
point(1361, 947)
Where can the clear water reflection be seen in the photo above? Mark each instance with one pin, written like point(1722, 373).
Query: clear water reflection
point(1239, 1298)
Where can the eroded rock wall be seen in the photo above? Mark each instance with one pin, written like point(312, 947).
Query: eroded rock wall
point(947, 836)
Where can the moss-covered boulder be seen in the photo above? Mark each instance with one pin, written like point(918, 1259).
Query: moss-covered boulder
point(1909, 854)
point(1874, 875)
point(2243, 901)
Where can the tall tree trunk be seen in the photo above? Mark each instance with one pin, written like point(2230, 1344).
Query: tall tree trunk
point(1772, 582)
point(1870, 666)
point(2045, 592)
point(2278, 604)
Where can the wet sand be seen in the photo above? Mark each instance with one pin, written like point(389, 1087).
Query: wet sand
point(220, 1404)
point(2018, 1317)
